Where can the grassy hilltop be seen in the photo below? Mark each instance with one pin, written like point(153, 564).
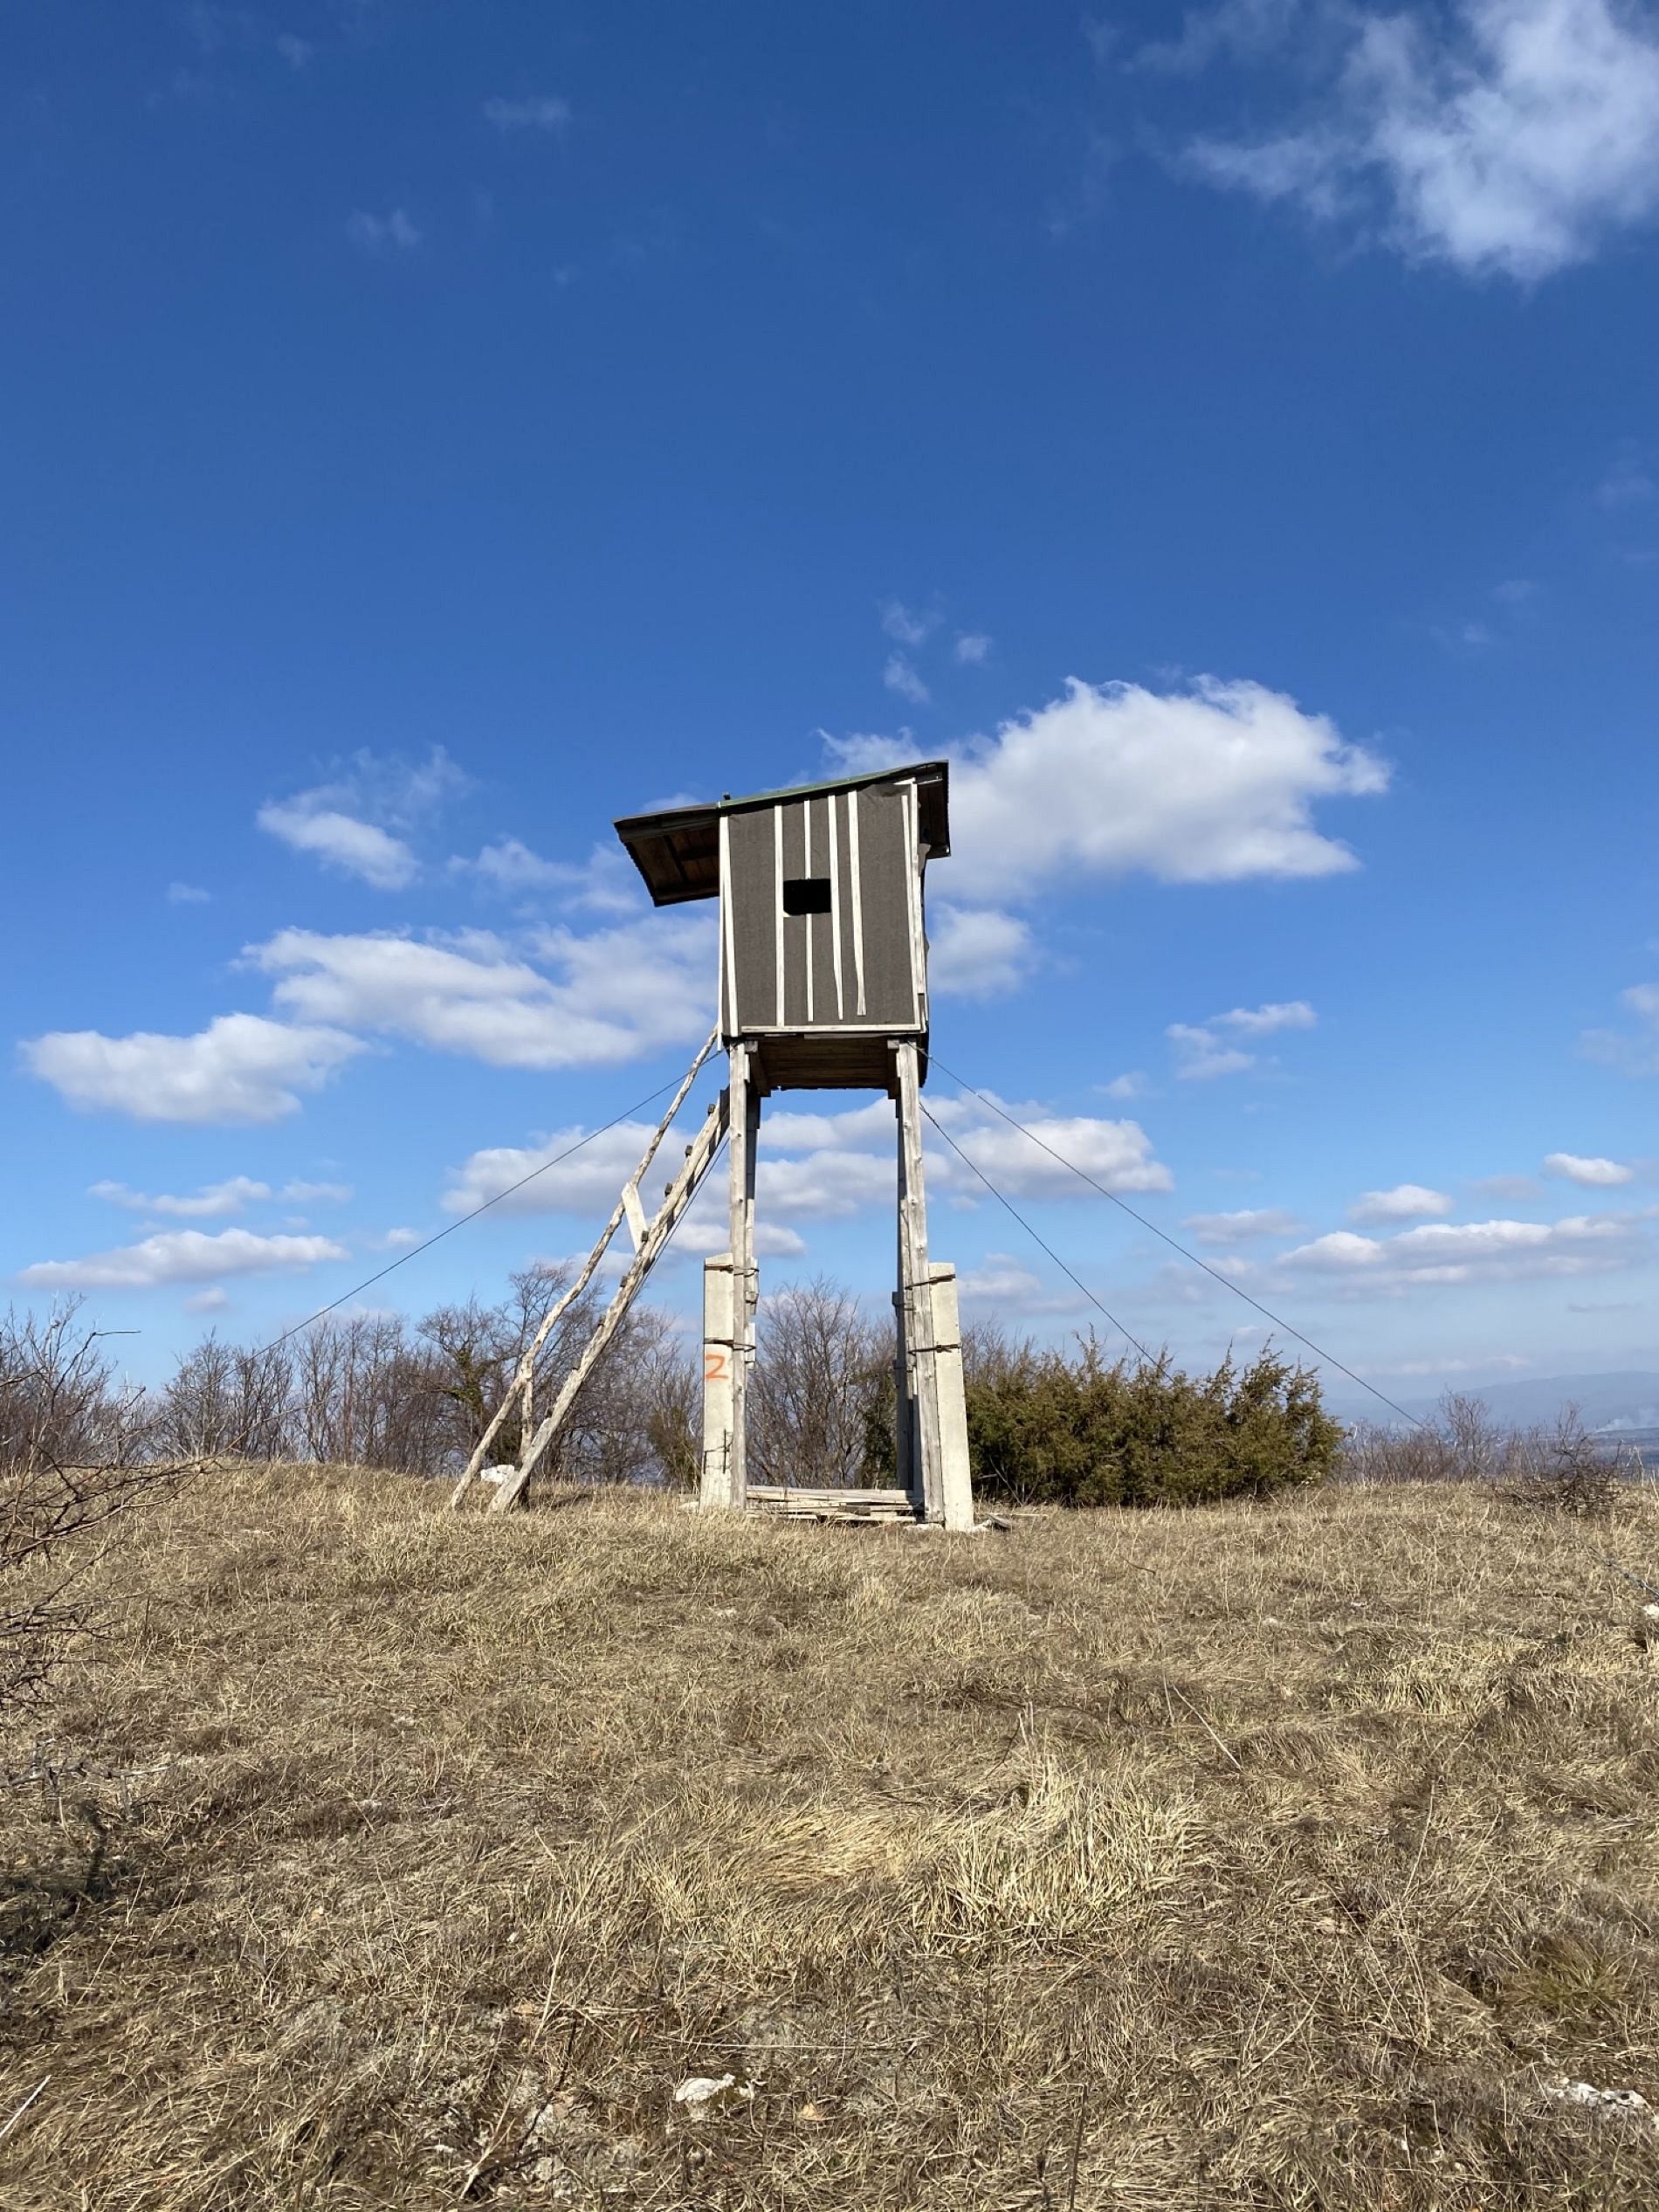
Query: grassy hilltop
point(1273, 1857)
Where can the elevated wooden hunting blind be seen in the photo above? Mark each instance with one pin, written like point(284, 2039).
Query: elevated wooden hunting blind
point(823, 986)
point(823, 954)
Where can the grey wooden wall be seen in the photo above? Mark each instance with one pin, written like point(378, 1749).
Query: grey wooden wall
point(859, 966)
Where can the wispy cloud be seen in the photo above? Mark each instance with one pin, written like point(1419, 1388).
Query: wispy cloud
point(899, 675)
point(212, 1201)
point(187, 895)
point(973, 648)
point(1217, 1047)
point(904, 625)
point(352, 822)
point(1627, 482)
point(538, 111)
point(392, 233)
point(1512, 137)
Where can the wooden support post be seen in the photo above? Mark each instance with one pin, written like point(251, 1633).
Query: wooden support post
point(699, 1155)
point(956, 1479)
point(904, 1395)
point(720, 1365)
point(745, 1129)
point(927, 1482)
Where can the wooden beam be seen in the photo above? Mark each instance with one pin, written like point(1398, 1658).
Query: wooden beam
point(745, 1121)
point(914, 1287)
point(522, 1386)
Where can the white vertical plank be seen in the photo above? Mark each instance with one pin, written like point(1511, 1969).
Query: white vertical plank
point(834, 903)
point(741, 1206)
point(856, 891)
point(777, 905)
point(806, 870)
point(728, 942)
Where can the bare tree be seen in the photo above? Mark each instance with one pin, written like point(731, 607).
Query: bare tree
point(73, 1454)
point(815, 1395)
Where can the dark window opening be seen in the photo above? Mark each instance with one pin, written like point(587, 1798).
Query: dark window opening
point(806, 894)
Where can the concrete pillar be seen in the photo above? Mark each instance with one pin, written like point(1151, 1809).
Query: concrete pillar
point(956, 1480)
point(719, 1366)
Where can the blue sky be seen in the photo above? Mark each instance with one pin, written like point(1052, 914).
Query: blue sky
point(1230, 435)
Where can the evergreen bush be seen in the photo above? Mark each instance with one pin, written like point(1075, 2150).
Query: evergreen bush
point(1046, 1428)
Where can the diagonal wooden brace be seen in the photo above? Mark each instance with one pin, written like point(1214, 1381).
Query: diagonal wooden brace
point(700, 1157)
point(522, 1384)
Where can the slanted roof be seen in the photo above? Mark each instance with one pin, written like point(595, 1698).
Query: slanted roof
point(679, 852)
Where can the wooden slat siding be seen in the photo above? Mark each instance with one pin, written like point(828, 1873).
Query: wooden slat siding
point(885, 861)
point(857, 888)
point(525, 1373)
point(913, 893)
point(753, 922)
point(704, 1149)
point(781, 936)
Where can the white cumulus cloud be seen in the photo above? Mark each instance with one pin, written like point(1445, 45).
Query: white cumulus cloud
point(825, 1166)
point(1404, 1202)
point(1595, 1174)
point(591, 1001)
point(242, 1067)
point(181, 1255)
point(1213, 784)
point(1499, 136)
point(977, 951)
point(1474, 1251)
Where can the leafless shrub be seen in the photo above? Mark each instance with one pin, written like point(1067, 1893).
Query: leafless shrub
point(73, 1454)
point(1566, 1469)
point(1561, 1464)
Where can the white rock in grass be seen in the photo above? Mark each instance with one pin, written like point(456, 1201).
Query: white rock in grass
point(702, 2094)
point(1628, 2103)
point(498, 1473)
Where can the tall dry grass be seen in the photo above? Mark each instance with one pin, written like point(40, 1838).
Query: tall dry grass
point(1275, 1857)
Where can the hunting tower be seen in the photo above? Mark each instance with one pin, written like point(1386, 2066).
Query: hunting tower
point(823, 986)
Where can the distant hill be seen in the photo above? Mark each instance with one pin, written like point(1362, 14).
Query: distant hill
point(1625, 1400)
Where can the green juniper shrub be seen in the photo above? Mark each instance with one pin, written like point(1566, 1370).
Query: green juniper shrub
point(1046, 1428)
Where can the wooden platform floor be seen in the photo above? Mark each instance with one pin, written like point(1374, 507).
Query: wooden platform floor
point(791, 1504)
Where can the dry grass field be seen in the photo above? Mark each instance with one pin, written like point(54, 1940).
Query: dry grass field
point(1280, 1858)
